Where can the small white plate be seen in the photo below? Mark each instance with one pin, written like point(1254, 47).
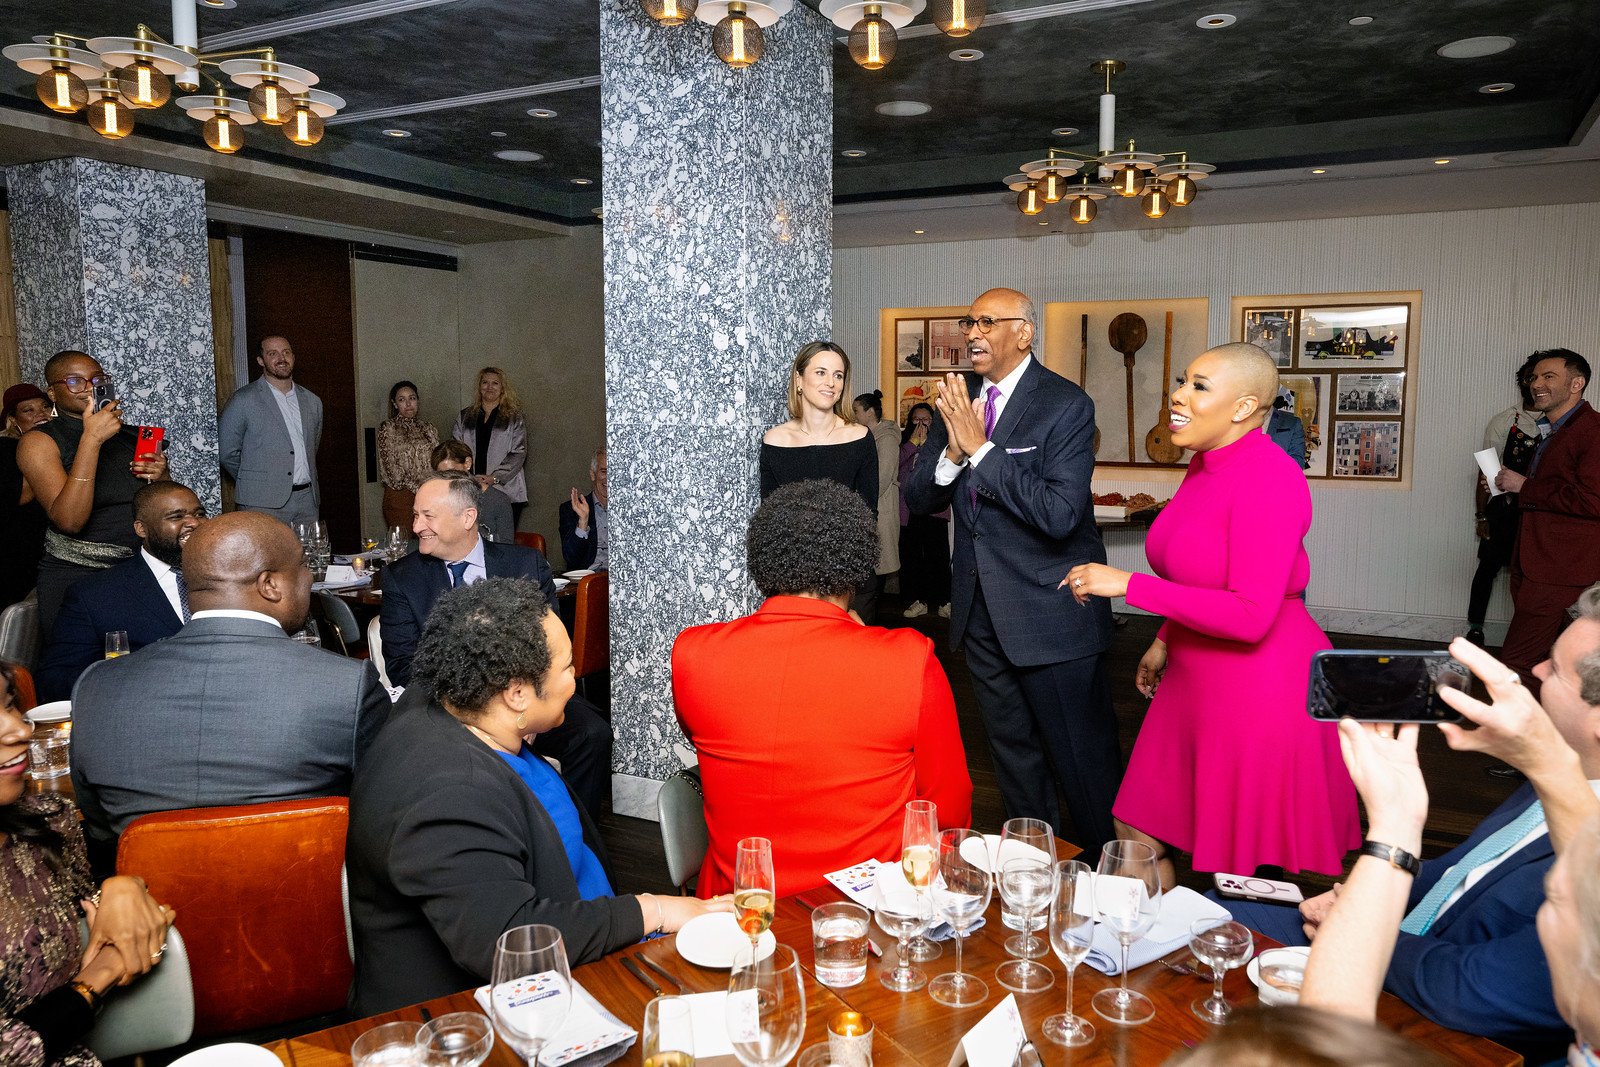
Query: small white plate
point(233, 1054)
point(711, 940)
point(55, 711)
point(575, 575)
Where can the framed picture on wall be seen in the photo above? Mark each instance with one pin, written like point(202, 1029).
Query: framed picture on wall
point(1310, 393)
point(1354, 337)
point(1370, 394)
point(947, 346)
point(910, 346)
point(1273, 330)
point(1366, 448)
point(912, 391)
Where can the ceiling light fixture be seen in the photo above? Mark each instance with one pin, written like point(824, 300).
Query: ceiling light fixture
point(736, 35)
point(518, 155)
point(541, 113)
point(497, 133)
point(872, 40)
point(919, 231)
point(1064, 131)
point(397, 133)
point(957, 18)
point(583, 181)
point(902, 109)
point(853, 153)
point(966, 55)
point(1320, 170)
point(1476, 47)
point(1361, 20)
point(1215, 22)
point(138, 72)
point(1441, 162)
point(1495, 88)
point(670, 12)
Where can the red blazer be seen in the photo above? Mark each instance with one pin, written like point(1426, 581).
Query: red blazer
point(814, 731)
point(1559, 538)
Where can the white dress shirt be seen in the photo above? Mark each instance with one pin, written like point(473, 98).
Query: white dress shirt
point(234, 613)
point(475, 571)
point(946, 472)
point(167, 579)
point(289, 408)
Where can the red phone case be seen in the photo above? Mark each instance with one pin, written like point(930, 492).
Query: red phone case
point(149, 442)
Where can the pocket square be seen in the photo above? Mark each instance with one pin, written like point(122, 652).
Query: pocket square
point(1016, 451)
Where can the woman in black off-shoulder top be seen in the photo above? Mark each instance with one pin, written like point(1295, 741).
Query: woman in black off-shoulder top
point(820, 440)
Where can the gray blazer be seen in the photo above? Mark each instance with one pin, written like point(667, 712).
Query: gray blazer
point(255, 446)
point(225, 711)
point(508, 450)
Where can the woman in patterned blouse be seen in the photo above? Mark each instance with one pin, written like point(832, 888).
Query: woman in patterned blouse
point(404, 444)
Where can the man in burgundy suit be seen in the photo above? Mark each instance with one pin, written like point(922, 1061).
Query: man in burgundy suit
point(1558, 542)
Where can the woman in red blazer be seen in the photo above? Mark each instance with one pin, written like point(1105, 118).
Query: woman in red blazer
point(812, 729)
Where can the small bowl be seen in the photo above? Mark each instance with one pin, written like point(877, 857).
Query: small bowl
point(1280, 964)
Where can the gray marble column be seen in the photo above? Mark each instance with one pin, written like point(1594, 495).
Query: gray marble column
point(718, 264)
point(111, 260)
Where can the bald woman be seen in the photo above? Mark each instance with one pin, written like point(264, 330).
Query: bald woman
point(1228, 766)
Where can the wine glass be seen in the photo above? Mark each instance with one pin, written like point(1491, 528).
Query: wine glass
point(308, 634)
point(755, 889)
point(1035, 833)
point(1025, 884)
point(919, 847)
point(900, 916)
point(1127, 898)
point(667, 1036)
point(531, 988)
point(460, 1039)
point(397, 542)
point(1223, 945)
point(960, 891)
point(1071, 931)
point(304, 532)
point(766, 1010)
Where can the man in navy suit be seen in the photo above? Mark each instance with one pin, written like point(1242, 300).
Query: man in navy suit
point(1013, 460)
point(585, 529)
point(143, 596)
point(450, 553)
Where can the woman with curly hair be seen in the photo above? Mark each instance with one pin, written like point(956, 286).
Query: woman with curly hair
point(405, 445)
point(492, 427)
point(458, 832)
point(786, 752)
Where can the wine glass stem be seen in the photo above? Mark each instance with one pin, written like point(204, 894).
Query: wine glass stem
point(1122, 990)
point(959, 939)
point(1217, 972)
point(902, 948)
point(1072, 1020)
point(1027, 936)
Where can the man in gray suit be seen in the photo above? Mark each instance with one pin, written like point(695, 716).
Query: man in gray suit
point(228, 710)
point(270, 431)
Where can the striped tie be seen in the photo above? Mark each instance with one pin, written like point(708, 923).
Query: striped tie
point(1489, 849)
point(183, 594)
point(458, 572)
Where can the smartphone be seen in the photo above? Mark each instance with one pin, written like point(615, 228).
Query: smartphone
point(105, 392)
point(1379, 686)
point(149, 445)
point(1247, 887)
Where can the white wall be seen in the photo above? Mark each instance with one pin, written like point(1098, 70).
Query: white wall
point(1495, 286)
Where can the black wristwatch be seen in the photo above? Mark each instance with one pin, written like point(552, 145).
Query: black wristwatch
point(1395, 855)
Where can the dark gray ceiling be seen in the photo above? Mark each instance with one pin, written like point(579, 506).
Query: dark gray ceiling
point(1291, 84)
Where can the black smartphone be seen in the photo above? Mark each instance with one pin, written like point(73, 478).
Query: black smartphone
point(1371, 685)
point(105, 392)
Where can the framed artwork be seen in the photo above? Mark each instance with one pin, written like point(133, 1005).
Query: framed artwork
point(909, 392)
point(1370, 394)
point(1310, 392)
point(910, 346)
point(947, 346)
point(1366, 448)
point(1356, 336)
point(1273, 330)
point(916, 348)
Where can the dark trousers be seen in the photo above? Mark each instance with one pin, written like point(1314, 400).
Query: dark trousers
point(1049, 727)
point(925, 561)
point(1494, 554)
point(865, 601)
point(582, 744)
point(1539, 617)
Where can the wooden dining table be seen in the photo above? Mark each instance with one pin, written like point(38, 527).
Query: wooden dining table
point(911, 1028)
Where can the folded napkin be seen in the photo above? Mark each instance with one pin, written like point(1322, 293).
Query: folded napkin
point(1180, 907)
point(865, 882)
point(591, 1036)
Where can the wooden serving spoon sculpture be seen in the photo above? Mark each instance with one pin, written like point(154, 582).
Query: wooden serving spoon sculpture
point(1128, 334)
point(1158, 442)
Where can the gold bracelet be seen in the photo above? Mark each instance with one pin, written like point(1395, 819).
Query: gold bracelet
point(86, 991)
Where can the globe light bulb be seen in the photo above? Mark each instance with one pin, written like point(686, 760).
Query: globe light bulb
point(737, 39)
point(1126, 181)
point(110, 117)
point(873, 40)
point(142, 85)
point(1083, 210)
point(61, 91)
point(1029, 201)
point(223, 133)
point(271, 103)
point(1182, 190)
point(1154, 202)
point(670, 12)
point(304, 127)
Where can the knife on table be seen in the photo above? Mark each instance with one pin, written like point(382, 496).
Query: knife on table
point(663, 972)
point(633, 969)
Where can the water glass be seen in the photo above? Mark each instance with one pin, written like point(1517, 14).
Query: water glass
point(766, 1008)
point(961, 890)
point(666, 1039)
point(49, 755)
point(531, 988)
point(1032, 832)
point(900, 916)
point(1026, 884)
point(755, 888)
point(1127, 898)
point(116, 643)
point(1221, 945)
point(308, 634)
point(397, 542)
point(919, 848)
point(460, 1039)
point(389, 1045)
point(839, 943)
point(1071, 932)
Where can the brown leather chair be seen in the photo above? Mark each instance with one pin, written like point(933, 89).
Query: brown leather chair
point(529, 539)
point(259, 897)
point(591, 625)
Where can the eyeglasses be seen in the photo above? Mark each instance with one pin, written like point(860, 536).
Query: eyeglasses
point(77, 382)
point(984, 323)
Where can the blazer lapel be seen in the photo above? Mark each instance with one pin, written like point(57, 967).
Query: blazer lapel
point(155, 595)
point(1016, 406)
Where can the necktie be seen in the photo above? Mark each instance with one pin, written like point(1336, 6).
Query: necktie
point(1490, 848)
point(183, 594)
point(991, 396)
point(458, 573)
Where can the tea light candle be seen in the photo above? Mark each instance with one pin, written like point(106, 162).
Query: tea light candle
point(850, 1039)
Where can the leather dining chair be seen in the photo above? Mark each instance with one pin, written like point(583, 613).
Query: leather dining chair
point(257, 891)
point(591, 626)
point(684, 837)
point(529, 539)
point(342, 620)
point(19, 632)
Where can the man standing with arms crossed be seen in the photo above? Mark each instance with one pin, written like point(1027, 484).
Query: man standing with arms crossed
point(1012, 459)
point(269, 435)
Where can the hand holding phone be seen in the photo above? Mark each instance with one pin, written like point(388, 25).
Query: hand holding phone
point(105, 392)
point(149, 444)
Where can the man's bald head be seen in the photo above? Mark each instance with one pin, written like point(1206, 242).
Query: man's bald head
point(247, 561)
point(1250, 370)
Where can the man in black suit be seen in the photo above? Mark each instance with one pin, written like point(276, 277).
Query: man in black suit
point(1012, 456)
point(585, 528)
point(143, 596)
point(450, 553)
point(228, 710)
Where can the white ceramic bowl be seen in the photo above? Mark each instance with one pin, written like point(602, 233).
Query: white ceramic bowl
point(1287, 959)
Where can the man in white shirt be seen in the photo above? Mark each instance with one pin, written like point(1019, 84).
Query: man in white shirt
point(269, 434)
point(143, 597)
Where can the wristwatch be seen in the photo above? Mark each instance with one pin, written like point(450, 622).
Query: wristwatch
point(1396, 856)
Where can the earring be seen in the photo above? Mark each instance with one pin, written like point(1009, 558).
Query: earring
point(522, 721)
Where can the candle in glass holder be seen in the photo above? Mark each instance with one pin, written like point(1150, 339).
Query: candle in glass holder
point(850, 1039)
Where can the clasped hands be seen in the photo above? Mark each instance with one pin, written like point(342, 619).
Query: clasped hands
point(127, 930)
point(963, 418)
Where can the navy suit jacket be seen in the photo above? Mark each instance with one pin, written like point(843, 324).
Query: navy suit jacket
point(1034, 521)
point(1289, 434)
point(124, 597)
point(411, 586)
point(577, 552)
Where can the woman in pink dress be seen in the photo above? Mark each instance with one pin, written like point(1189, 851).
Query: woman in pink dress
point(1228, 766)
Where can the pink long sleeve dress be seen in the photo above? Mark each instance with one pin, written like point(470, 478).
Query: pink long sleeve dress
point(1228, 766)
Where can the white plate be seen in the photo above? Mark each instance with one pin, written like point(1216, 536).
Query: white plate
point(711, 940)
point(561, 583)
point(1014, 850)
point(55, 711)
point(575, 575)
point(233, 1054)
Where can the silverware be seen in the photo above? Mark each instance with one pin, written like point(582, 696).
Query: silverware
point(633, 969)
point(1027, 1055)
point(663, 972)
point(1185, 968)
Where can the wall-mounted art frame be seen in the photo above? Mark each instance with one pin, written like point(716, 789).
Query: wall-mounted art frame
point(917, 346)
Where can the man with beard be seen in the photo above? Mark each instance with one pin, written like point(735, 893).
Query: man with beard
point(269, 434)
point(145, 596)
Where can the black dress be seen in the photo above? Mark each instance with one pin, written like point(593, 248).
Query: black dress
point(21, 530)
point(853, 464)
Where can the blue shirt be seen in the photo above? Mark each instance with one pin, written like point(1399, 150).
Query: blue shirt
point(551, 793)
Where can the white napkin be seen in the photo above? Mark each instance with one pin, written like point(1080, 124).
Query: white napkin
point(860, 883)
point(1180, 907)
point(708, 1013)
point(589, 1030)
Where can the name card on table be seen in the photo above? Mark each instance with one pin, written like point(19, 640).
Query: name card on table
point(995, 1041)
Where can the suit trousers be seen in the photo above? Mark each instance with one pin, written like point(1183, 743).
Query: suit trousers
point(582, 745)
point(1538, 617)
point(300, 508)
point(1049, 726)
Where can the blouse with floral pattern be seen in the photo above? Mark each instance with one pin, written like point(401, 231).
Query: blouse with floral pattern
point(404, 448)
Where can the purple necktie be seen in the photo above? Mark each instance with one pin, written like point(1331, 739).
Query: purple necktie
point(991, 396)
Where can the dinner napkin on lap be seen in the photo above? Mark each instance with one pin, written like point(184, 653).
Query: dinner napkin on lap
point(591, 1036)
point(1180, 907)
point(860, 883)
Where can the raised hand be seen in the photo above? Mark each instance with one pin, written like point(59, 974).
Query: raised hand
point(580, 507)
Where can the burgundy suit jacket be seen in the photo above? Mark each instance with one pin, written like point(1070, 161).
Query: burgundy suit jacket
point(1559, 538)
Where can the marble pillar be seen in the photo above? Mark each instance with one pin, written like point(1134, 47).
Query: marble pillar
point(718, 263)
point(111, 260)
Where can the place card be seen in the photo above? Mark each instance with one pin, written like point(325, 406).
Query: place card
point(1117, 897)
point(858, 882)
point(995, 1040)
point(1489, 464)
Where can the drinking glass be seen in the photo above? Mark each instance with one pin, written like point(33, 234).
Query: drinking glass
point(116, 643)
point(1071, 931)
point(1025, 884)
point(304, 532)
point(755, 890)
point(397, 542)
point(308, 635)
point(1127, 898)
point(1038, 834)
point(839, 943)
point(531, 989)
point(766, 1011)
point(900, 916)
point(919, 847)
point(667, 1036)
point(1223, 946)
point(320, 528)
point(961, 891)
point(389, 1045)
point(460, 1039)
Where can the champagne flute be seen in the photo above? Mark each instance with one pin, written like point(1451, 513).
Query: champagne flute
point(960, 891)
point(900, 916)
point(667, 1036)
point(1035, 833)
point(531, 988)
point(1071, 931)
point(755, 889)
point(1223, 945)
point(460, 1039)
point(919, 848)
point(766, 1009)
point(1127, 898)
point(1025, 884)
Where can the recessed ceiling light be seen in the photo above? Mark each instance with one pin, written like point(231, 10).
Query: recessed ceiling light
point(497, 133)
point(1497, 87)
point(1474, 47)
point(919, 231)
point(219, 5)
point(541, 113)
point(518, 155)
point(853, 153)
point(1440, 162)
point(902, 108)
point(966, 55)
point(1361, 20)
point(1320, 170)
point(1044, 224)
point(1533, 155)
point(1216, 22)
point(397, 133)
point(1064, 131)
point(583, 181)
